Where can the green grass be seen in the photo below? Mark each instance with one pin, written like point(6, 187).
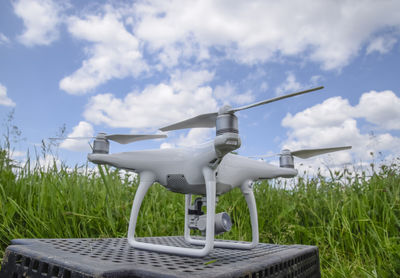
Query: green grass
point(355, 224)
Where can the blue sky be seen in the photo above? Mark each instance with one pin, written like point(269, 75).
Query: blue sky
point(133, 67)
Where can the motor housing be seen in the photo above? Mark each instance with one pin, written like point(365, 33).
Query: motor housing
point(101, 144)
point(227, 134)
point(286, 159)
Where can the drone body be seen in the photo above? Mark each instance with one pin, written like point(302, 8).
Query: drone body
point(206, 170)
point(177, 168)
point(209, 170)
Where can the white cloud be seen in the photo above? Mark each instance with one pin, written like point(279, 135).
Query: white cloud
point(332, 112)
point(4, 99)
point(381, 44)
point(18, 154)
point(228, 94)
point(195, 136)
point(264, 86)
point(4, 39)
point(113, 52)
point(190, 80)
point(156, 105)
point(167, 146)
point(83, 129)
point(291, 85)
point(48, 162)
point(380, 108)
point(129, 39)
point(334, 123)
point(315, 80)
point(327, 32)
point(41, 20)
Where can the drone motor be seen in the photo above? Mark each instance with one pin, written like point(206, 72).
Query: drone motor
point(286, 159)
point(227, 132)
point(101, 144)
point(226, 123)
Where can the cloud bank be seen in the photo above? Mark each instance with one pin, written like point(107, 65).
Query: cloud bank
point(336, 122)
point(4, 99)
point(113, 52)
point(149, 36)
point(185, 95)
point(41, 21)
point(83, 129)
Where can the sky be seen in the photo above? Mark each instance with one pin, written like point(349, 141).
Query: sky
point(136, 66)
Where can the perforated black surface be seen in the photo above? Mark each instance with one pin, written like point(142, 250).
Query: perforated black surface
point(113, 257)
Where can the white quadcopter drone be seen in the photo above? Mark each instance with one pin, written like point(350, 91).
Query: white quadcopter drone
point(209, 169)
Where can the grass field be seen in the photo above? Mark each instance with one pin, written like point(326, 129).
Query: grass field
point(355, 223)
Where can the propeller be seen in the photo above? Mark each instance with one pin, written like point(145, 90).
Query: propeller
point(209, 119)
point(307, 153)
point(119, 138)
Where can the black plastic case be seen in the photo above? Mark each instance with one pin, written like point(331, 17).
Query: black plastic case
point(114, 257)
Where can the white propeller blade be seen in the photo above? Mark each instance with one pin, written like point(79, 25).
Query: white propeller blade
point(119, 138)
point(274, 99)
point(129, 138)
point(209, 119)
point(72, 138)
point(307, 153)
point(203, 120)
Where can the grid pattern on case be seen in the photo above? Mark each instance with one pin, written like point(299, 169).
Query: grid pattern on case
point(118, 251)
